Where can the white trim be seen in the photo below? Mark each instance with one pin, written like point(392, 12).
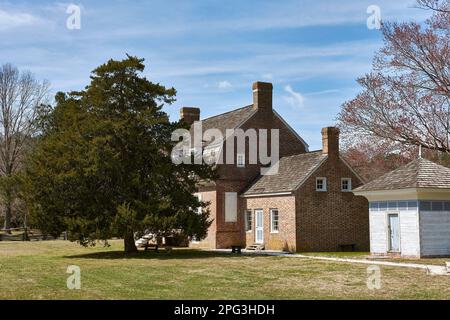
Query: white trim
point(388, 247)
point(262, 228)
point(271, 220)
point(266, 194)
point(349, 184)
point(324, 184)
point(292, 130)
point(405, 194)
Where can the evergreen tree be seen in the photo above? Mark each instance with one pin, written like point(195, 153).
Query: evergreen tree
point(102, 165)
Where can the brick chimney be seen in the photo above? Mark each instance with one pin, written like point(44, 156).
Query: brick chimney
point(262, 96)
point(330, 141)
point(189, 115)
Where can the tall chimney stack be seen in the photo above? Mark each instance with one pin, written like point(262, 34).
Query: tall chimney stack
point(189, 115)
point(330, 141)
point(262, 96)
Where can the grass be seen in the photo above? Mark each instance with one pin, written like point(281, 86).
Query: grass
point(37, 270)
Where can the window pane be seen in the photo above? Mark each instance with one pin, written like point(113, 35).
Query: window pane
point(402, 205)
point(321, 184)
point(425, 205)
point(447, 206)
point(437, 206)
point(392, 205)
point(412, 205)
point(374, 206)
point(240, 160)
point(274, 220)
point(346, 184)
point(383, 205)
point(248, 220)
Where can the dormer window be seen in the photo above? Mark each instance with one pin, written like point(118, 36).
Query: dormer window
point(321, 184)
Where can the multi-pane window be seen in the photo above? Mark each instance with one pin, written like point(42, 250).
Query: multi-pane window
point(346, 184)
point(321, 184)
point(274, 223)
point(248, 220)
point(240, 160)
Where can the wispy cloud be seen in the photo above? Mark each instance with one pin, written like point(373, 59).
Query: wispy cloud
point(224, 84)
point(10, 20)
point(295, 99)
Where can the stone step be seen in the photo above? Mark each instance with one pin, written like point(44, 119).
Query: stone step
point(255, 247)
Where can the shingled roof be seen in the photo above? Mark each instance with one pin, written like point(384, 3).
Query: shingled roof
point(420, 173)
point(228, 120)
point(292, 172)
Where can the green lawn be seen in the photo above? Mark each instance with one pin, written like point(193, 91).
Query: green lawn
point(37, 270)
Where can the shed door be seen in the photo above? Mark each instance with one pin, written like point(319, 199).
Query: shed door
point(259, 226)
point(394, 233)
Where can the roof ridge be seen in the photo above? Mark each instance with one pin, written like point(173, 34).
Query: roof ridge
point(221, 114)
point(301, 154)
point(418, 173)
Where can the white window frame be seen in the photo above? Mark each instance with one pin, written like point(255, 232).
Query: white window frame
point(324, 184)
point(349, 180)
point(240, 160)
point(272, 230)
point(247, 213)
point(231, 202)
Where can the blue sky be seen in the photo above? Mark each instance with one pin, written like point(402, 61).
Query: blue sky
point(210, 51)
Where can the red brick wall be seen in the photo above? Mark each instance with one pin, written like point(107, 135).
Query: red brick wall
point(327, 219)
point(285, 238)
point(208, 195)
point(289, 144)
point(234, 179)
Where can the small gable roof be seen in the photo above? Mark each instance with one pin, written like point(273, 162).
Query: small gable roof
point(420, 173)
point(292, 172)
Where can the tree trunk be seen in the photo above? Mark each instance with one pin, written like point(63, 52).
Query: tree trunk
point(128, 241)
point(8, 212)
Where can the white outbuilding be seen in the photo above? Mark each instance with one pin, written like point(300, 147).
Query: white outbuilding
point(409, 210)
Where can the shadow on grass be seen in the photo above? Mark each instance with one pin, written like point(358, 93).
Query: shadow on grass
point(162, 254)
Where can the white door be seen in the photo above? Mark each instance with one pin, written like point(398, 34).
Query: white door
point(394, 233)
point(259, 226)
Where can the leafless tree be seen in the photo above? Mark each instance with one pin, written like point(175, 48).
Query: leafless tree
point(405, 99)
point(21, 96)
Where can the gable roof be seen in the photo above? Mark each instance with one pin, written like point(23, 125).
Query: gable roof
point(292, 172)
point(228, 120)
point(236, 118)
point(420, 173)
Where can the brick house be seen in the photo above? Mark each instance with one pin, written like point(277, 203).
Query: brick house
point(307, 206)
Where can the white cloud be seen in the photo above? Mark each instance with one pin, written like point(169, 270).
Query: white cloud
point(9, 20)
point(224, 84)
point(295, 98)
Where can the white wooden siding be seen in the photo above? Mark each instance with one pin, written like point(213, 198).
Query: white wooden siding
point(435, 233)
point(409, 233)
point(378, 232)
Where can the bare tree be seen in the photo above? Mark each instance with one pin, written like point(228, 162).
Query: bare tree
point(21, 95)
point(405, 99)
